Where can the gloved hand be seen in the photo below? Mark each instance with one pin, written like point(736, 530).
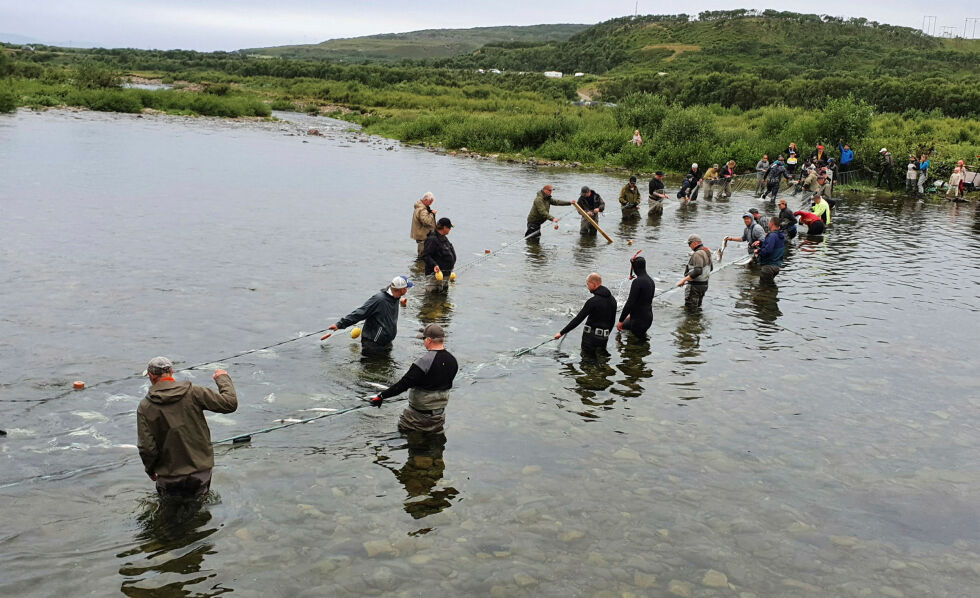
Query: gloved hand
point(376, 401)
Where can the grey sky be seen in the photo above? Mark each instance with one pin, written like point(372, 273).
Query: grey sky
point(234, 24)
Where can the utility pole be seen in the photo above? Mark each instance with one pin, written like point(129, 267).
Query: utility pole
point(636, 9)
point(948, 31)
point(929, 24)
point(966, 24)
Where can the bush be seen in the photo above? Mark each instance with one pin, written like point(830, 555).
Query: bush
point(89, 75)
point(845, 117)
point(8, 101)
point(642, 111)
point(284, 105)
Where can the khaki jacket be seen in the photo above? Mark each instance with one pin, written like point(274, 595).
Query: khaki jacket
point(423, 221)
point(810, 182)
point(712, 173)
point(541, 211)
point(629, 197)
point(174, 438)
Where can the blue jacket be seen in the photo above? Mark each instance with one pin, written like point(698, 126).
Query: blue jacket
point(772, 250)
point(924, 166)
point(846, 155)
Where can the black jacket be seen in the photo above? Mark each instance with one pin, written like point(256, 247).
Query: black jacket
point(786, 219)
point(656, 186)
point(438, 251)
point(600, 310)
point(591, 202)
point(639, 304)
point(695, 176)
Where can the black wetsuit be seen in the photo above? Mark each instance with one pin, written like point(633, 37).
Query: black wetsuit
point(600, 310)
point(639, 304)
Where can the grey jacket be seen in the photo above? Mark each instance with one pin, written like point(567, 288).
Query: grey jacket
point(753, 233)
point(380, 315)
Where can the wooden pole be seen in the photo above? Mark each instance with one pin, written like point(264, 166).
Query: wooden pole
point(593, 222)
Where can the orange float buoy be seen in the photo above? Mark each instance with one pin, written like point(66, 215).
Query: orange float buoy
point(486, 251)
point(556, 227)
point(78, 385)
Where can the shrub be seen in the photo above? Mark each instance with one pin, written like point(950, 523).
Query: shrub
point(642, 111)
point(8, 101)
point(283, 104)
point(90, 75)
point(844, 117)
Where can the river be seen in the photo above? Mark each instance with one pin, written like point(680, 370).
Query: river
point(819, 439)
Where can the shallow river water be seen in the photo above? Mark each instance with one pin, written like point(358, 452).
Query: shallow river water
point(816, 440)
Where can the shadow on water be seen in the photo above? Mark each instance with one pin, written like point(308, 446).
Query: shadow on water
point(634, 367)
point(688, 339)
point(422, 471)
point(173, 537)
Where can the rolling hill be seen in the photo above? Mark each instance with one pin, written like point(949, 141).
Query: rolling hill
point(424, 44)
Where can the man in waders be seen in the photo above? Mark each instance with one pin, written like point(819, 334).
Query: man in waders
point(428, 382)
point(540, 213)
point(637, 314)
point(599, 314)
point(787, 221)
point(629, 200)
point(174, 439)
point(814, 224)
point(590, 201)
point(423, 220)
point(657, 195)
point(380, 316)
point(886, 169)
point(696, 274)
point(770, 253)
point(439, 256)
point(753, 234)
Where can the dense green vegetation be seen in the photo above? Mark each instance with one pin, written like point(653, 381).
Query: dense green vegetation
point(752, 59)
point(428, 43)
point(736, 86)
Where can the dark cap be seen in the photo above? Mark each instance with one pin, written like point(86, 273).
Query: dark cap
point(659, 173)
point(433, 331)
point(585, 189)
point(444, 223)
point(753, 211)
point(632, 179)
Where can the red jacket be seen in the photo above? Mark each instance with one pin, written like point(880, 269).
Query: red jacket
point(806, 218)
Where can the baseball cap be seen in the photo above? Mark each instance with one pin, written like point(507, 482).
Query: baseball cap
point(632, 179)
point(158, 365)
point(695, 165)
point(585, 189)
point(753, 211)
point(747, 215)
point(882, 150)
point(401, 282)
point(433, 331)
point(443, 223)
point(693, 239)
point(659, 173)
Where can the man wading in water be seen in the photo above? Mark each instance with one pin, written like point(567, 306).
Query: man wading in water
point(174, 439)
point(590, 201)
point(428, 382)
point(380, 315)
point(540, 212)
point(696, 274)
point(439, 256)
point(423, 220)
point(600, 310)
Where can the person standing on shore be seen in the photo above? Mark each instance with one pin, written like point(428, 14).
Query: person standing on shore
point(540, 212)
point(886, 169)
point(911, 175)
point(923, 173)
point(846, 154)
point(696, 274)
point(590, 201)
point(380, 316)
point(599, 313)
point(174, 438)
point(630, 200)
point(428, 382)
point(423, 220)
point(637, 314)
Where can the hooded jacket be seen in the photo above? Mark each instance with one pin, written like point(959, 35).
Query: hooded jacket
point(592, 202)
point(438, 251)
point(776, 171)
point(752, 233)
point(540, 210)
point(380, 315)
point(772, 249)
point(423, 221)
point(600, 310)
point(639, 303)
point(174, 438)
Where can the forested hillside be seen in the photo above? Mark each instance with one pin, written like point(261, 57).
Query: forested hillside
point(750, 59)
point(428, 43)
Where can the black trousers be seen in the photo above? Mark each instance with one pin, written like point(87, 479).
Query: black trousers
point(593, 345)
point(767, 274)
point(816, 228)
point(694, 295)
point(772, 188)
point(533, 228)
point(886, 171)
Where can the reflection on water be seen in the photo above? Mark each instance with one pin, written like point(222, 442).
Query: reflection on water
point(171, 548)
point(422, 471)
point(634, 366)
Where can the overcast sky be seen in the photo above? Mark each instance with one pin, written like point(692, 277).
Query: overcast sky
point(234, 24)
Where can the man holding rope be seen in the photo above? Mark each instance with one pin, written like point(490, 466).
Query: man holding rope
point(380, 315)
point(600, 310)
point(696, 274)
point(540, 212)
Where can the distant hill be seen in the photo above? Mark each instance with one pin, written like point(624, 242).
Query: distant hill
point(768, 43)
point(424, 44)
